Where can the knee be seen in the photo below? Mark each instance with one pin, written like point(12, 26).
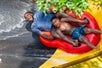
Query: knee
point(83, 39)
point(87, 30)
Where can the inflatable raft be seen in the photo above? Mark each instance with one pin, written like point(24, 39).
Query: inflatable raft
point(63, 59)
point(93, 38)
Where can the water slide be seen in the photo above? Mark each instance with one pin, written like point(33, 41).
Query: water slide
point(90, 59)
point(18, 48)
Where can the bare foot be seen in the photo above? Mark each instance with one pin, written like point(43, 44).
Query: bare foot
point(97, 47)
point(86, 20)
point(76, 44)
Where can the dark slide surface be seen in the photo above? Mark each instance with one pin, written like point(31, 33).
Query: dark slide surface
point(19, 48)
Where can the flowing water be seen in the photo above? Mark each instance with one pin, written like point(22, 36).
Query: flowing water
point(18, 48)
point(11, 17)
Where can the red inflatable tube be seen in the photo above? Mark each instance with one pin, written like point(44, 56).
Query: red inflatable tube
point(93, 38)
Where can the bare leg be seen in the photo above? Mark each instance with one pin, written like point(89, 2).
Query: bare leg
point(76, 43)
point(89, 30)
point(70, 40)
point(71, 19)
point(68, 18)
point(85, 40)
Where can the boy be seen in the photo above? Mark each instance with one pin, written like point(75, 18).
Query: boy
point(63, 28)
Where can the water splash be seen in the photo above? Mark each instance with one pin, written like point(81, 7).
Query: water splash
point(11, 16)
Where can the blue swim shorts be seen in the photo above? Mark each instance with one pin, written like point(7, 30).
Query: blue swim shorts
point(79, 31)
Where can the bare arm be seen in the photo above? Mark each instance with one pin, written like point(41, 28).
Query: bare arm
point(54, 34)
point(46, 36)
point(63, 15)
point(68, 18)
point(63, 37)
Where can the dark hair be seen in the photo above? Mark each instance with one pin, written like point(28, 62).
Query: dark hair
point(29, 12)
point(26, 13)
point(53, 18)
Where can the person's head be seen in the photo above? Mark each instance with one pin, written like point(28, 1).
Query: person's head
point(56, 22)
point(28, 16)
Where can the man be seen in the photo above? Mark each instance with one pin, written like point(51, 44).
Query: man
point(63, 28)
point(42, 22)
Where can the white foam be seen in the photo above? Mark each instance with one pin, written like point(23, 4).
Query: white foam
point(0, 60)
point(11, 17)
point(19, 25)
point(1, 19)
point(16, 35)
